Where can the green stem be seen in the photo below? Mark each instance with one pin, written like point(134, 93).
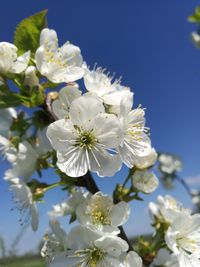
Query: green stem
point(53, 186)
point(131, 172)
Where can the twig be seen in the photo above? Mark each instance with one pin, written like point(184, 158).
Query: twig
point(185, 185)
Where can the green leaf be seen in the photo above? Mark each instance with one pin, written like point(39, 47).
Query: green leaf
point(8, 98)
point(27, 34)
point(196, 16)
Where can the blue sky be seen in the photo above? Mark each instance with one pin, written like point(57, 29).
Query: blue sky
point(148, 44)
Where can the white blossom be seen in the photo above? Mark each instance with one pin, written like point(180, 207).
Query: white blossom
point(111, 93)
point(59, 65)
point(136, 142)
point(70, 205)
point(99, 212)
point(23, 162)
point(54, 241)
point(25, 201)
point(7, 116)
point(167, 209)
point(24, 158)
point(144, 181)
point(169, 163)
point(9, 61)
point(91, 248)
point(183, 235)
point(165, 259)
point(84, 140)
point(7, 149)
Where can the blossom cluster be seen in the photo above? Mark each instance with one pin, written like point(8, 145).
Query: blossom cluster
point(82, 128)
point(95, 242)
point(181, 233)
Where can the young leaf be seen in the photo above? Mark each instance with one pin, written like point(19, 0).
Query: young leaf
point(196, 16)
point(27, 34)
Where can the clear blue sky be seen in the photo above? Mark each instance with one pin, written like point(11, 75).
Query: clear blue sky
point(147, 42)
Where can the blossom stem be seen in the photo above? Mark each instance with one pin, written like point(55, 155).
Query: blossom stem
point(53, 186)
point(131, 171)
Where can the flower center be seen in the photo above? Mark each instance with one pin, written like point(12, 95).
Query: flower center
point(91, 257)
point(86, 139)
point(187, 244)
point(100, 211)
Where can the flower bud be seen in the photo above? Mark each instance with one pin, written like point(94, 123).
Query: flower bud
point(195, 37)
point(31, 80)
point(145, 181)
point(146, 161)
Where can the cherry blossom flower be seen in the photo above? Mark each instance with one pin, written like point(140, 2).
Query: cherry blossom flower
point(59, 65)
point(84, 140)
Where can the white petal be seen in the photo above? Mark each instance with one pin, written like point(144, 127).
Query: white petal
point(21, 190)
point(84, 109)
point(147, 160)
point(107, 130)
point(104, 163)
point(115, 98)
point(188, 260)
point(126, 104)
point(6, 115)
point(61, 260)
point(133, 259)
point(40, 60)
point(81, 237)
point(72, 54)
point(48, 36)
point(97, 81)
point(60, 134)
point(113, 245)
point(145, 181)
point(21, 63)
point(133, 148)
point(74, 163)
point(66, 96)
point(58, 231)
point(120, 213)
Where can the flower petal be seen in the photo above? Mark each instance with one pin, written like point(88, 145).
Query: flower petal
point(120, 213)
point(84, 109)
point(107, 130)
point(21, 63)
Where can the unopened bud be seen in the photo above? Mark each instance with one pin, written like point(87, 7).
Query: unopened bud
point(31, 80)
point(53, 96)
